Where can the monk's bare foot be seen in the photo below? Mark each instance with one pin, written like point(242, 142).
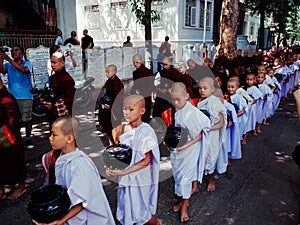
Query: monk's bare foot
point(255, 133)
point(244, 142)
point(264, 122)
point(158, 222)
point(211, 185)
point(229, 163)
point(184, 217)
point(176, 208)
point(194, 190)
point(259, 131)
point(21, 189)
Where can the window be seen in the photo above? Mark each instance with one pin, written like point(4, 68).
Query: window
point(194, 13)
point(190, 13)
point(208, 14)
point(119, 14)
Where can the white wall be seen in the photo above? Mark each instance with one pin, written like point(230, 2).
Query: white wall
point(101, 22)
point(66, 17)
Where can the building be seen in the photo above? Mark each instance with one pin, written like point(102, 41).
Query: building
point(110, 21)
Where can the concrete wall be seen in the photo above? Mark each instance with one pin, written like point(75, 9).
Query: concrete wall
point(66, 17)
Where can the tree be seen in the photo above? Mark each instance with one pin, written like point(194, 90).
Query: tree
point(283, 12)
point(259, 7)
point(146, 16)
point(228, 25)
point(293, 24)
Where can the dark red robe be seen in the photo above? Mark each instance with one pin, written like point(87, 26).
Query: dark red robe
point(12, 159)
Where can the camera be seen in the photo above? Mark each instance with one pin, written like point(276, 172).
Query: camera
point(105, 100)
point(48, 94)
point(3, 49)
point(67, 52)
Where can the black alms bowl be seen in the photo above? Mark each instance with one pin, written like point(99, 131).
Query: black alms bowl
point(175, 137)
point(117, 156)
point(49, 203)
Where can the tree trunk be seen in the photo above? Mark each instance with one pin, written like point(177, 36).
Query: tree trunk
point(262, 10)
point(148, 29)
point(228, 25)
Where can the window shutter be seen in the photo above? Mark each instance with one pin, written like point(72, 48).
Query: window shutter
point(193, 16)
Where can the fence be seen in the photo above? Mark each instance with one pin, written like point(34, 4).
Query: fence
point(27, 40)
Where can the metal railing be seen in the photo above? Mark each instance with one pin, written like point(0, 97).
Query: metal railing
point(27, 39)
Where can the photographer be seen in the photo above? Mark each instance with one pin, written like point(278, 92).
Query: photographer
point(59, 99)
point(68, 65)
point(19, 84)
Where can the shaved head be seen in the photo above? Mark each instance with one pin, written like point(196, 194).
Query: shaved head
point(136, 100)
point(179, 87)
point(68, 125)
point(210, 81)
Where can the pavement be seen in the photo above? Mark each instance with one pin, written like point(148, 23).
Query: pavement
point(263, 188)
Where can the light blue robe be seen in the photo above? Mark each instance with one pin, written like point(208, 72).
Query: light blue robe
point(255, 93)
point(242, 104)
point(188, 165)
point(264, 106)
point(216, 159)
point(297, 74)
point(286, 73)
point(233, 142)
point(138, 191)
point(276, 96)
point(76, 172)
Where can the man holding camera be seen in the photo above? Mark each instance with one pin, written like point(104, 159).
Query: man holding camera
point(19, 84)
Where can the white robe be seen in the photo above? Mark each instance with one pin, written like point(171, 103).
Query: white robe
point(188, 165)
point(233, 143)
point(76, 172)
point(138, 191)
point(255, 93)
point(242, 104)
point(216, 158)
point(264, 106)
point(276, 96)
point(286, 73)
point(297, 74)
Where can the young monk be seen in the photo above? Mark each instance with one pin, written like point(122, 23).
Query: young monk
point(184, 162)
point(264, 104)
point(240, 104)
point(217, 159)
point(138, 183)
point(77, 173)
point(232, 143)
point(255, 93)
point(276, 92)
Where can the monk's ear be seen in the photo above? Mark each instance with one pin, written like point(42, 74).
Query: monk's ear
point(143, 110)
point(71, 138)
point(187, 96)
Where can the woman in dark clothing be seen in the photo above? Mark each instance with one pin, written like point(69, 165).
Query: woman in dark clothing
point(12, 159)
point(143, 83)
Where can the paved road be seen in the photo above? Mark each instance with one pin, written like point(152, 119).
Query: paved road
point(263, 188)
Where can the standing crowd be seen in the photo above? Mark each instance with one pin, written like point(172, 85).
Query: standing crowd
point(217, 105)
